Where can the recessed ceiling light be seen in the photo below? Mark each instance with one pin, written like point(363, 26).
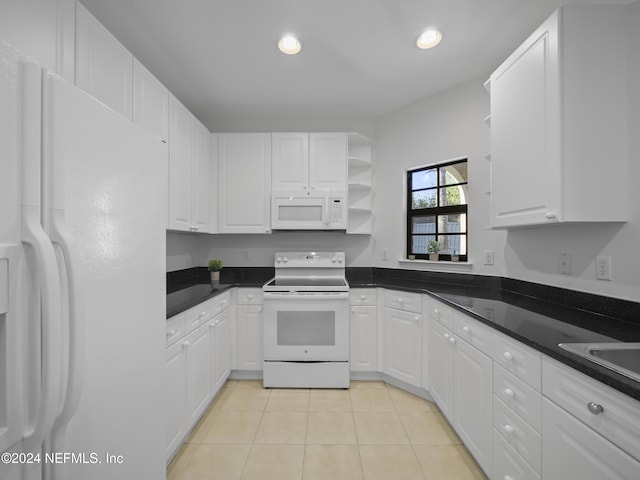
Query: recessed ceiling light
point(429, 39)
point(289, 45)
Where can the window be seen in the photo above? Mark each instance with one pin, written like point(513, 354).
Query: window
point(437, 198)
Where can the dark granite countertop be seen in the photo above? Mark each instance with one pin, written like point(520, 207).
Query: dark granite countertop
point(538, 316)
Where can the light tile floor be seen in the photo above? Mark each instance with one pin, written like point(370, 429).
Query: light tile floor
point(371, 431)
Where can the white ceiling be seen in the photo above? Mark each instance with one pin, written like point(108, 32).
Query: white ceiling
point(359, 60)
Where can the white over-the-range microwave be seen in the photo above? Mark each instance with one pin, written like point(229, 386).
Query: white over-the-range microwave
point(309, 210)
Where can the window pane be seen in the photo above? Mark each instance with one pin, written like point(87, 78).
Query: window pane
point(424, 179)
point(423, 224)
point(455, 223)
point(453, 195)
point(453, 174)
point(419, 243)
point(424, 199)
point(453, 243)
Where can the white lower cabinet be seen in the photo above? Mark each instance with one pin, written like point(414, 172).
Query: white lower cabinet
point(197, 348)
point(472, 401)
point(573, 450)
point(403, 345)
point(220, 354)
point(175, 397)
point(460, 379)
point(249, 346)
point(363, 320)
point(198, 363)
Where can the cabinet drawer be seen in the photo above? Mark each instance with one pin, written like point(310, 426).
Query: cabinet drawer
point(176, 328)
point(362, 296)
point(507, 464)
point(473, 332)
point(198, 315)
point(442, 313)
point(409, 302)
point(517, 358)
point(619, 420)
point(518, 433)
point(220, 303)
point(518, 396)
point(250, 296)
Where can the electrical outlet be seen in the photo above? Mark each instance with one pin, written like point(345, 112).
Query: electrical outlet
point(488, 257)
point(245, 255)
point(564, 263)
point(385, 254)
point(603, 268)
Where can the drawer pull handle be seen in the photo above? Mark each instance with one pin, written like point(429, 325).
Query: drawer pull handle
point(452, 340)
point(171, 333)
point(259, 309)
point(508, 477)
point(363, 297)
point(595, 408)
point(509, 429)
point(509, 393)
point(436, 311)
point(466, 329)
point(400, 300)
point(507, 356)
point(353, 310)
point(446, 335)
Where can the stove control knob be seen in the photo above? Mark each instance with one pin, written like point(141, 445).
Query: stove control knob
point(285, 259)
point(278, 259)
point(334, 260)
point(340, 259)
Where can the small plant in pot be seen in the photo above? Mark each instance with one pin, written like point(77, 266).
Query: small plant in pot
point(433, 248)
point(215, 266)
point(454, 256)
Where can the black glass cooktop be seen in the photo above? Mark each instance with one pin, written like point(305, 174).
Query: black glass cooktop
point(307, 282)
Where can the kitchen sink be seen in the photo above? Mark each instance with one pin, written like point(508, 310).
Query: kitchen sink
point(623, 358)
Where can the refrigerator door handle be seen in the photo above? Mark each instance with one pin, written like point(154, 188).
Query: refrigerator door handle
point(51, 327)
point(61, 237)
point(34, 235)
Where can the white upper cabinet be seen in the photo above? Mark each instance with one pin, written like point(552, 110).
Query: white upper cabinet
point(328, 161)
point(150, 102)
point(309, 161)
point(189, 174)
point(244, 183)
point(290, 161)
point(104, 67)
point(42, 29)
point(558, 123)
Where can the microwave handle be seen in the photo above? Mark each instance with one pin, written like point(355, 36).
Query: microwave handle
point(327, 213)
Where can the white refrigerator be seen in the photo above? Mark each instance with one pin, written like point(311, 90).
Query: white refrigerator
point(83, 209)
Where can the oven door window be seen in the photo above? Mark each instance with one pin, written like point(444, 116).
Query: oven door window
point(306, 328)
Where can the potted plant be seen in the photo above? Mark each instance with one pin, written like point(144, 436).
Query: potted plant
point(454, 256)
point(433, 248)
point(215, 266)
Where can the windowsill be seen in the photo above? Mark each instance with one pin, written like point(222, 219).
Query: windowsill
point(437, 266)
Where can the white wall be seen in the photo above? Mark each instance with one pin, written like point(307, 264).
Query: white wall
point(449, 125)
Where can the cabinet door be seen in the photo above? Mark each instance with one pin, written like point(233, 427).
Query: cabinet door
point(364, 339)
point(244, 183)
point(328, 161)
point(197, 361)
point(570, 449)
point(290, 161)
point(175, 381)
point(525, 133)
point(250, 341)
point(403, 345)
point(150, 102)
point(179, 166)
point(222, 349)
point(472, 399)
point(104, 68)
point(441, 368)
point(200, 165)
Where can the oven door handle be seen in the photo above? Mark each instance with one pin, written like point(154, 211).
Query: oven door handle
point(305, 298)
